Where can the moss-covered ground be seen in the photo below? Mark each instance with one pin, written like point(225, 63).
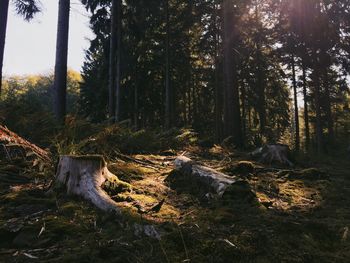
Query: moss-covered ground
point(302, 215)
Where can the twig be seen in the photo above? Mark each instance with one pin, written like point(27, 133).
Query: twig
point(148, 163)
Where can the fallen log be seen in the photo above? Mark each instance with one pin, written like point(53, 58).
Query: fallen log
point(199, 179)
point(85, 176)
point(13, 146)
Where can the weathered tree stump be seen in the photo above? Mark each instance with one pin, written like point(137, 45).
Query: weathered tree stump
point(84, 176)
point(273, 153)
point(207, 181)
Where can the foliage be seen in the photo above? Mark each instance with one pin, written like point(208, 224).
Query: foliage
point(27, 8)
point(26, 105)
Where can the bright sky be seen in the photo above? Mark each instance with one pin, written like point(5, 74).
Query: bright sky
point(30, 47)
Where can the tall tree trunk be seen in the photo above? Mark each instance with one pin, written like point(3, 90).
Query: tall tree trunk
point(329, 115)
point(232, 117)
point(260, 77)
point(136, 104)
point(112, 61)
point(261, 93)
point(4, 6)
point(118, 67)
point(306, 109)
point(218, 93)
point(168, 91)
point(244, 111)
point(296, 109)
point(319, 128)
point(60, 82)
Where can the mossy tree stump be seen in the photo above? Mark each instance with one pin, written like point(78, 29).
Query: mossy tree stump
point(84, 176)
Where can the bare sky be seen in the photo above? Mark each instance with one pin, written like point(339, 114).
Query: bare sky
point(30, 47)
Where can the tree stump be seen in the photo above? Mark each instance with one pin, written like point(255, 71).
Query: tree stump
point(84, 176)
point(273, 153)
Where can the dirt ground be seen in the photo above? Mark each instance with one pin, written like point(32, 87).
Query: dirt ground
point(299, 215)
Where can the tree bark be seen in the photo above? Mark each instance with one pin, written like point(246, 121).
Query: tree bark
point(208, 182)
point(232, 116)
point(260, 78)
point(273, 153)
point(328, 108)
point(60, 82)
point(306, 109)
point(218, 93)
point(118, 68)
point(112, 61)
point(84, 176)
point(168, 90)
point(319, 128)
point(4, 6)
point(296, 109)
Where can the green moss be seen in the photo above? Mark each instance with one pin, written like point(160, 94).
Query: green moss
point(116, 186)
point(128, 172)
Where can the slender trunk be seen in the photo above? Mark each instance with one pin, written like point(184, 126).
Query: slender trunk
point(261, 93)
point(218, 95)
point(319, 129)
point(136, 102)
point(329, 115)
point(306, 110)
point(60, 82)
point(118, 66)
point(112, 61)
point(168, 91)
point(232, 118)
point(244, 111)
point(4, 6)
point(296, 110)
point(260, 79)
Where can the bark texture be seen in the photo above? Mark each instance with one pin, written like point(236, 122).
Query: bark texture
point(232, 115)
point(205, 181)
point(84, 176)
point(112, 61)
point(4, 6)
point(273, 153)
point(60, 82)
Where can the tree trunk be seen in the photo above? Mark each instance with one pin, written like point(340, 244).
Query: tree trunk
point(60, 82)
point(168, 91)
point(118, 67)
point(112, 61)
point(328, 108)
point(4, 6)
point(84, 176)
point(136, 102)
point(319, 128)
point(261, 107)
point(296, 109)
point(218, 93)
point(306, 110)
point(232, 117)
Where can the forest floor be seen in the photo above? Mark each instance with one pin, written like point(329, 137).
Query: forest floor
point(301, 215)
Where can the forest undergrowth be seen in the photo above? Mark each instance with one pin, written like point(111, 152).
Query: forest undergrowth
point(297, 215)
